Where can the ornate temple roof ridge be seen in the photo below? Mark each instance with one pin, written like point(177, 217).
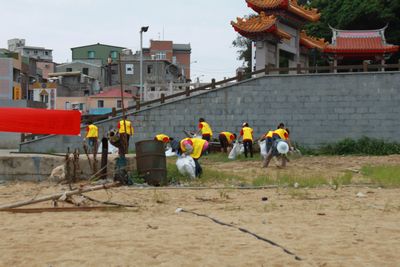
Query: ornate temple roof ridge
point(360, 41)
point(310, 14)
point(261, 23)
point(312, 42)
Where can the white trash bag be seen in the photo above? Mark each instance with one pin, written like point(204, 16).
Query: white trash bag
point(111, 149)
point(263, 148)
point(169, 153)
point(186, 166)
point(236, 150)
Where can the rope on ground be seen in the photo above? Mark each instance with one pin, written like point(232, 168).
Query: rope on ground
point(244, 231)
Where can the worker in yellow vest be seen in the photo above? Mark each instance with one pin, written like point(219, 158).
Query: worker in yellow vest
point(125, 130)
point(195, 147)
point(92, 134)
point(247, 134)
point(163, 138)
point(206, 131)
point(226, 140)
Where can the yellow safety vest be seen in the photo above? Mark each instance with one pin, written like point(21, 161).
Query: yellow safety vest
point(206, 128)
point(269, 134)
point(93, 131)
point(229, 136)
point(128, 124)
point(162, 138)
point(247, 133)
point(198, 145)
point(282, 133)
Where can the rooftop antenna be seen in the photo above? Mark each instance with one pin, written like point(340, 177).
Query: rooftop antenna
point(163, 33)
point(159, 38)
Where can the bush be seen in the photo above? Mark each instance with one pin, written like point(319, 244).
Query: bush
point(362, 146)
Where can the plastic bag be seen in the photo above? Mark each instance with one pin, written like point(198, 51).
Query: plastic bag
point(186, 166)
point(241, 151)
point(235, 151)
point(169, 153)
point(263, 148)
point(111, 149)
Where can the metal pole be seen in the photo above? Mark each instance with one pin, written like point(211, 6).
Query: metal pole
point(141, 89)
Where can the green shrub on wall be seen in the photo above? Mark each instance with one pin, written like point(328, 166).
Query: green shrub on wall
point(362, 146)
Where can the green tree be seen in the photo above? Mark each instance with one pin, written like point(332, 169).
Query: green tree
point(244, 51)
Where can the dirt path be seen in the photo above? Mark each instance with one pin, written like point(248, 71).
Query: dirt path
point(322, 226)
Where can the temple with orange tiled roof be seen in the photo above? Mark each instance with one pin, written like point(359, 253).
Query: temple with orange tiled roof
point(359, 44)
point(277, 33)
point(279, 40)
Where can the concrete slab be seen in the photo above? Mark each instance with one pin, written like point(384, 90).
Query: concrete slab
point(37, 167)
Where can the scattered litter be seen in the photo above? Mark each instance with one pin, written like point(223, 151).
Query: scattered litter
point(178, 210)
point(152, 227)
point(296, 185)
point(360, 195)
point(264, 198)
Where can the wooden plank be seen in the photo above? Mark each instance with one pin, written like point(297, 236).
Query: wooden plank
point(60, 209)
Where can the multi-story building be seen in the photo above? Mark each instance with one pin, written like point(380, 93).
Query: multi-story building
point(16, 75)
point(177, 54)
point(90, 68)
point(39, 53)
point(96, 52)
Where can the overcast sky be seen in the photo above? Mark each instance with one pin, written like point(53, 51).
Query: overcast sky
point(62, 24)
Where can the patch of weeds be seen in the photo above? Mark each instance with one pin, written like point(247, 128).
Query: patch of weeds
point(219, 177)
point(345, 179)
point(263, 180)
point(174, 176)
point(299, 194)
point(136, 178)
point(384, 176)
point(295, 181)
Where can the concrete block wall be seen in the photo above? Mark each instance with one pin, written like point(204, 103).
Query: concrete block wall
point(318, 109)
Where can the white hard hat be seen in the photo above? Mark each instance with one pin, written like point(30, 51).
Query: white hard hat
point(282, 147)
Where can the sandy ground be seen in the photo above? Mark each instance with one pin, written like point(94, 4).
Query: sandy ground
point(321, 226)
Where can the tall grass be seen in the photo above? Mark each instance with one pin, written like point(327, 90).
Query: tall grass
point(385, 176)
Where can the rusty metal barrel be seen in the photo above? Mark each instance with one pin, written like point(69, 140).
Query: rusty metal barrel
point(151, 162)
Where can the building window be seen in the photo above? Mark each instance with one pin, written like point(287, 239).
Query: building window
point(46, 53)
point(114, 54)
point(85, 71)
point(149, 69)
point(129, 69)
point(91, 54)
point(35, 52)
point(100, 103)
point(161, 55)
point(174, 60)
point(67, 105)
point(69, 70)
point(86, 92)
point(119, 103)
